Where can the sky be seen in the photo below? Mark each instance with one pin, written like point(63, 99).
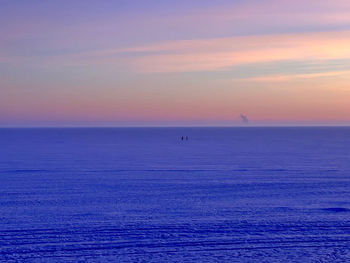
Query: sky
point(174, 63)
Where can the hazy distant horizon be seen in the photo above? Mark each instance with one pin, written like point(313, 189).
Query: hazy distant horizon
point(179, 125)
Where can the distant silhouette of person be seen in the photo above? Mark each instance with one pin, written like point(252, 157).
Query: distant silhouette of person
point(182, 138)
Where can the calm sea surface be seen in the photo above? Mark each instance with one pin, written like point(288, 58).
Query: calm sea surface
point(145, 195)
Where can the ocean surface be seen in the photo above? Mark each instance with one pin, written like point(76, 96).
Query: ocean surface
point(145, 195)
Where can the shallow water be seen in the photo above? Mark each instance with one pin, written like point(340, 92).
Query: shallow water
point(144, 195)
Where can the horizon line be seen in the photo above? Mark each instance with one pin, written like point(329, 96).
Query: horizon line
point(174, 126)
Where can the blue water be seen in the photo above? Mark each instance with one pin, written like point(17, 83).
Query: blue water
point(144, 195)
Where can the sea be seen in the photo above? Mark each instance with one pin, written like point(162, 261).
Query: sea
point(243, 194)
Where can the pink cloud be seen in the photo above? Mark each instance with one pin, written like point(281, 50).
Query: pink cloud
point(214, 54)
point(293, 77)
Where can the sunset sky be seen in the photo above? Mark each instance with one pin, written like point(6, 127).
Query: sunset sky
point(166, 62)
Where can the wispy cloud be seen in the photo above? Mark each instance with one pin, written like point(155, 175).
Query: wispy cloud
point(221, 53)
point(293, 77)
